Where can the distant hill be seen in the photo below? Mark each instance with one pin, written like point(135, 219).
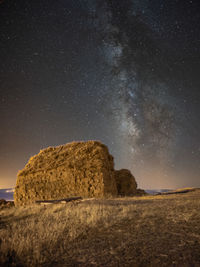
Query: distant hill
point(7, 193)
point(179, 191)
point(170, 191)
point(156, 191)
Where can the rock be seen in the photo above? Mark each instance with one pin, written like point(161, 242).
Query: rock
point(84, 169)
point(126, 184)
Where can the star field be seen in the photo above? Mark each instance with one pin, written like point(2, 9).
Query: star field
point(123, 72)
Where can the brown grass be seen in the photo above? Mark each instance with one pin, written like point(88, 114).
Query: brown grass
point(139, 231)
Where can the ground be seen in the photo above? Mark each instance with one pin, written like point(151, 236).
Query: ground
point(159, 230)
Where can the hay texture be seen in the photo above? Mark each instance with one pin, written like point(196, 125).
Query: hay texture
point(141, 192)
point(126, 184)
point(83, 169)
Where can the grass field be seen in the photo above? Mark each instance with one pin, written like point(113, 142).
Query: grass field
point(141, 231)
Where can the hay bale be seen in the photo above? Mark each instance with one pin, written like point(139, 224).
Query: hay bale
point(6, 204)
point(126, 184)
point(84, 169)
point(141, 192)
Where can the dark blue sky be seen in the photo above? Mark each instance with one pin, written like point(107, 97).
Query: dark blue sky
point(123, 72)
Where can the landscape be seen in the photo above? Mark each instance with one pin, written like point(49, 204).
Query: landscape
point(72, 208)
point(160, 230)
point(99, 133)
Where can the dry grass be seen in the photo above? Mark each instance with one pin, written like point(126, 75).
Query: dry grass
point(140, 231)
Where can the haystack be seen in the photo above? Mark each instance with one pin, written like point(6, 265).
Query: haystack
point(141, 192)
point(126, 184)
point(83, 169)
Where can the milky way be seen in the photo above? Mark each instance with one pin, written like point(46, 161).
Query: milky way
point(123, 72)
point(147, 96)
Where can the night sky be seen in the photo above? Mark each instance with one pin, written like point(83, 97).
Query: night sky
point(126, 73)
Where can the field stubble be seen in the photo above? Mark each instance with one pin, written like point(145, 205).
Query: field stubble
point(139, 231)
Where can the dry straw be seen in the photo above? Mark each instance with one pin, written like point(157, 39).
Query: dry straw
point(84, 169)
point(76, 169)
